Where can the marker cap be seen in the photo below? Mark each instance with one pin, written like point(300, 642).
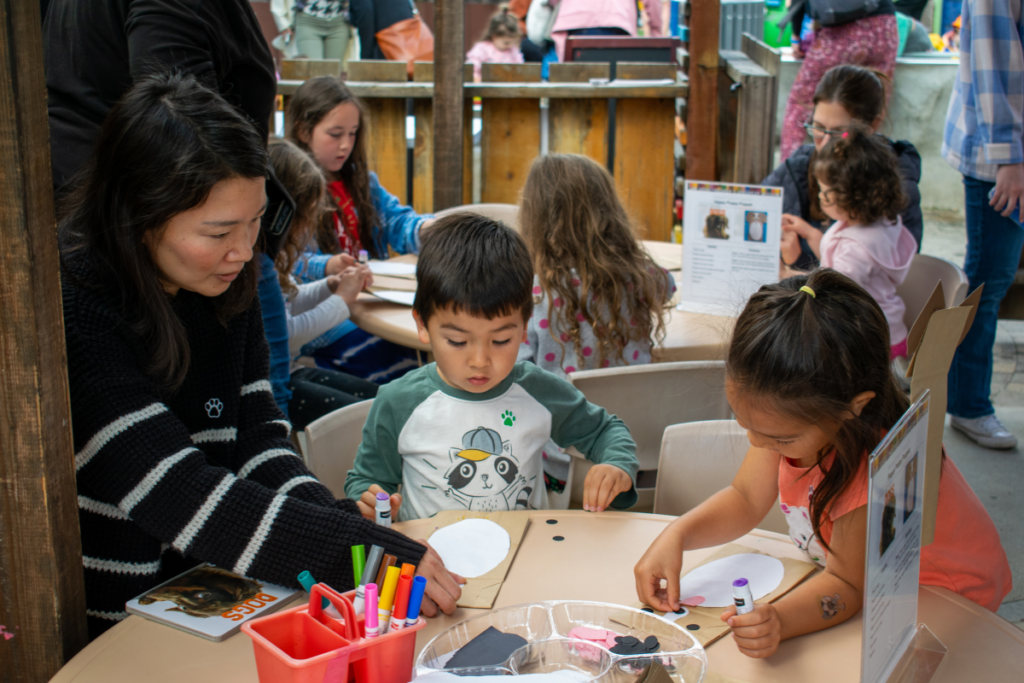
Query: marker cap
point(387, 593)
point(371, 607)
point(408, 569)
point(402, 597)
point(358, 562)
point(372, 564)
point(307, 581)
point(419, 586)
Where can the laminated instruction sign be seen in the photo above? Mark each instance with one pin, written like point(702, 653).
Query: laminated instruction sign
point(731, 239)
point(895, 493)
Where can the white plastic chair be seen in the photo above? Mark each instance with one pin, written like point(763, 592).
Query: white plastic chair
point(506, 213)
point(699, 459)
point(332, 442)
point(648, 398)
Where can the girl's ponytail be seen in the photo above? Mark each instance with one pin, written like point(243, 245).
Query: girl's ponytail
point(809, 355)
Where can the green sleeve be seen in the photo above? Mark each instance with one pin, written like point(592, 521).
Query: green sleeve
point(378, 460)
point(604, 439)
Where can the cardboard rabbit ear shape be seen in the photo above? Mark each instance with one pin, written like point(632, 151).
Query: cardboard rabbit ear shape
point(931, 344)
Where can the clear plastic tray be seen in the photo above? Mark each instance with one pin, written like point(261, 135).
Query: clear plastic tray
point(545, 626)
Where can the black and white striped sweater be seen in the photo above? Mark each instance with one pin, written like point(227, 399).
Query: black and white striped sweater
point(206, 474)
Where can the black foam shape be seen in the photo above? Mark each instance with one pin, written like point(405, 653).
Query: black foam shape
point(487, 649)
point(651, 643)
point(692, 627)
point(559, 538)
point(628, 645)
point(552, 521)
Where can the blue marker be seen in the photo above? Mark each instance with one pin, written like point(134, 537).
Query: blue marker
point(307, 581)
point(419, 586)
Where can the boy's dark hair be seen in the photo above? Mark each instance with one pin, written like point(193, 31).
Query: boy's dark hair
point(809, 356)
point(864, 174)
point(474, 264)
point(162, 148)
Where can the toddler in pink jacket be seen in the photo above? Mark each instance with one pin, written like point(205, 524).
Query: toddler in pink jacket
point(858, 186)
point(500, 44)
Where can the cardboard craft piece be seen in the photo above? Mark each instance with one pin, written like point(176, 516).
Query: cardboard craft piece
point(488, 649)
point(482, 591)
point(936, 334)
point(655, 673)
point(710, 626)
point(382, 283)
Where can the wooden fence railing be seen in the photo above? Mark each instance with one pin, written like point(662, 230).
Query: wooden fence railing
point(643, 164)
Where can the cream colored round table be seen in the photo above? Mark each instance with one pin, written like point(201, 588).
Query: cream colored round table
point(688, 336)
point(593, 562)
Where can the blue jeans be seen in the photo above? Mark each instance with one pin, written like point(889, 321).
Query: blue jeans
point(993, 253)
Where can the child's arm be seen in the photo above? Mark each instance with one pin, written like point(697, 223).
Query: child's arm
point(603, 438)
point(723, 517)
point(378, 465)
point(401, 224)
point(829, 598)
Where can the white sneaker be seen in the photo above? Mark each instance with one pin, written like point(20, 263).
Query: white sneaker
point(986, 431)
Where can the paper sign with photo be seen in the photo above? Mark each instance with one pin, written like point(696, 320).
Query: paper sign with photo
point(731, 238)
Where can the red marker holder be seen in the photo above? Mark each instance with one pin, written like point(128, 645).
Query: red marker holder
point(304, 645)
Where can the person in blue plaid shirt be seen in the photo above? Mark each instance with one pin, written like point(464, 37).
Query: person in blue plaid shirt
point(983, 140)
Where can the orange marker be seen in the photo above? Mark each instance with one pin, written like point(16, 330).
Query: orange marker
point(408, 569)
point(398, 614)
point(387, 598)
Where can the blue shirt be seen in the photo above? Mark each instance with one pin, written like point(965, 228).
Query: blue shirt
point(985, 121)
point(275, 327)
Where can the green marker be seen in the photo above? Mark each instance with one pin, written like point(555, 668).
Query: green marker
point(358, 562)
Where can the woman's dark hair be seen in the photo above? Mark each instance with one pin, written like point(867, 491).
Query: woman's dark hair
point(161, 150)
point(809, 357)
point(859, 91)
point(314, 100)
point(864, 174)
point(474, 264)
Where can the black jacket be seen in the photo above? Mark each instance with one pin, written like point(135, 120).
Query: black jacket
point(96, 49)
point(791, 176)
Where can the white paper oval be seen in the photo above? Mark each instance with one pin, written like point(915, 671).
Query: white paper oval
point(713, 581)
point(471, 547)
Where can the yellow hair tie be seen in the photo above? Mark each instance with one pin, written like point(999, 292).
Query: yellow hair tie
point(810, 291)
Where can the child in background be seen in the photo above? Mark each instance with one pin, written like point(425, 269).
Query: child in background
point(598, 297)
point(310, 309)
point(807, 375)
point(500, 44)
point(326, 120)
point(466, 432)
point(860, 188)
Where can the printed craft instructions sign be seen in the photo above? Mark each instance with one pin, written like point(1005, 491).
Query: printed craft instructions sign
point(731, 238)
point(895, 492)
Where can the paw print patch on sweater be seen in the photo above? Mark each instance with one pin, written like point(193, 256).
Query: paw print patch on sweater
point(214, 408)
point(508, 418)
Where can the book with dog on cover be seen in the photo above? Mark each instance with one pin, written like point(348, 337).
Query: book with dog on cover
point(210, 602)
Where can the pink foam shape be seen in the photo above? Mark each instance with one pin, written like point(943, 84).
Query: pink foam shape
point(694, 601)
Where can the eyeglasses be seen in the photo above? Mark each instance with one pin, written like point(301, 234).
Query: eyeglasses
point(820, 133)
point(828, 197)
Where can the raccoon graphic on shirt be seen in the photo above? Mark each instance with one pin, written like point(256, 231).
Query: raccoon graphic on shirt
point(484, 475)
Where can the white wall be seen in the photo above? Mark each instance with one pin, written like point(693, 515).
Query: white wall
point(917, 112)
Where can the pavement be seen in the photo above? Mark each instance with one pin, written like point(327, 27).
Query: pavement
point(996, 476)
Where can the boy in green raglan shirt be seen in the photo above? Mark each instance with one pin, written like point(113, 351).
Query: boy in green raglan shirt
point(467, 431)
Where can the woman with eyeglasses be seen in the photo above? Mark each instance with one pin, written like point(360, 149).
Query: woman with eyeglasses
point(846, 95)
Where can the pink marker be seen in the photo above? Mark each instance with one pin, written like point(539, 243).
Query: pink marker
point(371, 627)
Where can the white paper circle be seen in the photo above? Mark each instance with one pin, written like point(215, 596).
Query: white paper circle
point(713, 581)
point(471, 547)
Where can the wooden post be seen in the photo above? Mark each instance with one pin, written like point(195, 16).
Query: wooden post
point(448, 114)
point(42, 594)
point(702, 103)
point(423, 151)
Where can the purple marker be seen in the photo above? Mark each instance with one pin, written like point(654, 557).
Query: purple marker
point(742, 596)
point(383, 510)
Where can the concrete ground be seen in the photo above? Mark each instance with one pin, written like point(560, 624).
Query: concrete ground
point(996, 476)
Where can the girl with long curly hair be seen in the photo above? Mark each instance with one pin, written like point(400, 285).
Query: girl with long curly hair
point(859, 188)
point(598, 298)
